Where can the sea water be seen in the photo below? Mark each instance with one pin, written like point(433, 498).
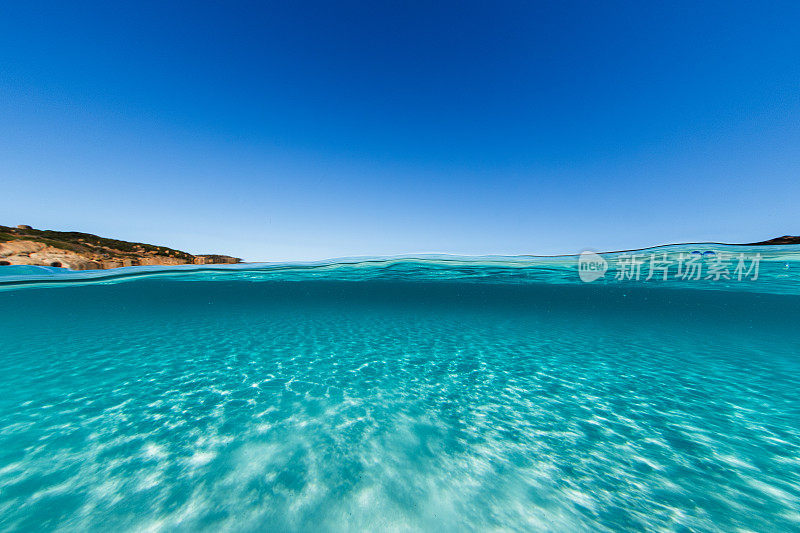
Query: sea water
point(410, 394)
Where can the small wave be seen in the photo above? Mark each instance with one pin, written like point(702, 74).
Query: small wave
point(778, 269)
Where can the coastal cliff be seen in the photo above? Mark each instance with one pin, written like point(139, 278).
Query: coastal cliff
point(24, 245)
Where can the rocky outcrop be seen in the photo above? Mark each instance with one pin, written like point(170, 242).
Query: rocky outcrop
point(215, 260)
point(786, 239)
point(24, 245)
point(24, 252)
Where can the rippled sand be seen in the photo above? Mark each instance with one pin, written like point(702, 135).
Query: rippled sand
point(401, 406)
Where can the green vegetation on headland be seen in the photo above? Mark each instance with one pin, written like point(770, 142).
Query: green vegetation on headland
point(72, 249)
point(76, 241)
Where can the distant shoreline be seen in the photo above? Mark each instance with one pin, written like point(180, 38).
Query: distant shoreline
point(24, 245)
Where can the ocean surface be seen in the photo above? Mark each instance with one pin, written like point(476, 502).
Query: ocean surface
point(406, 394)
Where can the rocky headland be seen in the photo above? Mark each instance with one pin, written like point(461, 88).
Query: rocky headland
point(24, 245)
point(786, 239)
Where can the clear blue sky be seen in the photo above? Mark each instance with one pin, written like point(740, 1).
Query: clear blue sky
point(301, 130)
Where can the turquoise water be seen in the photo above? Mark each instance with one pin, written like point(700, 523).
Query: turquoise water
point(412, 394)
